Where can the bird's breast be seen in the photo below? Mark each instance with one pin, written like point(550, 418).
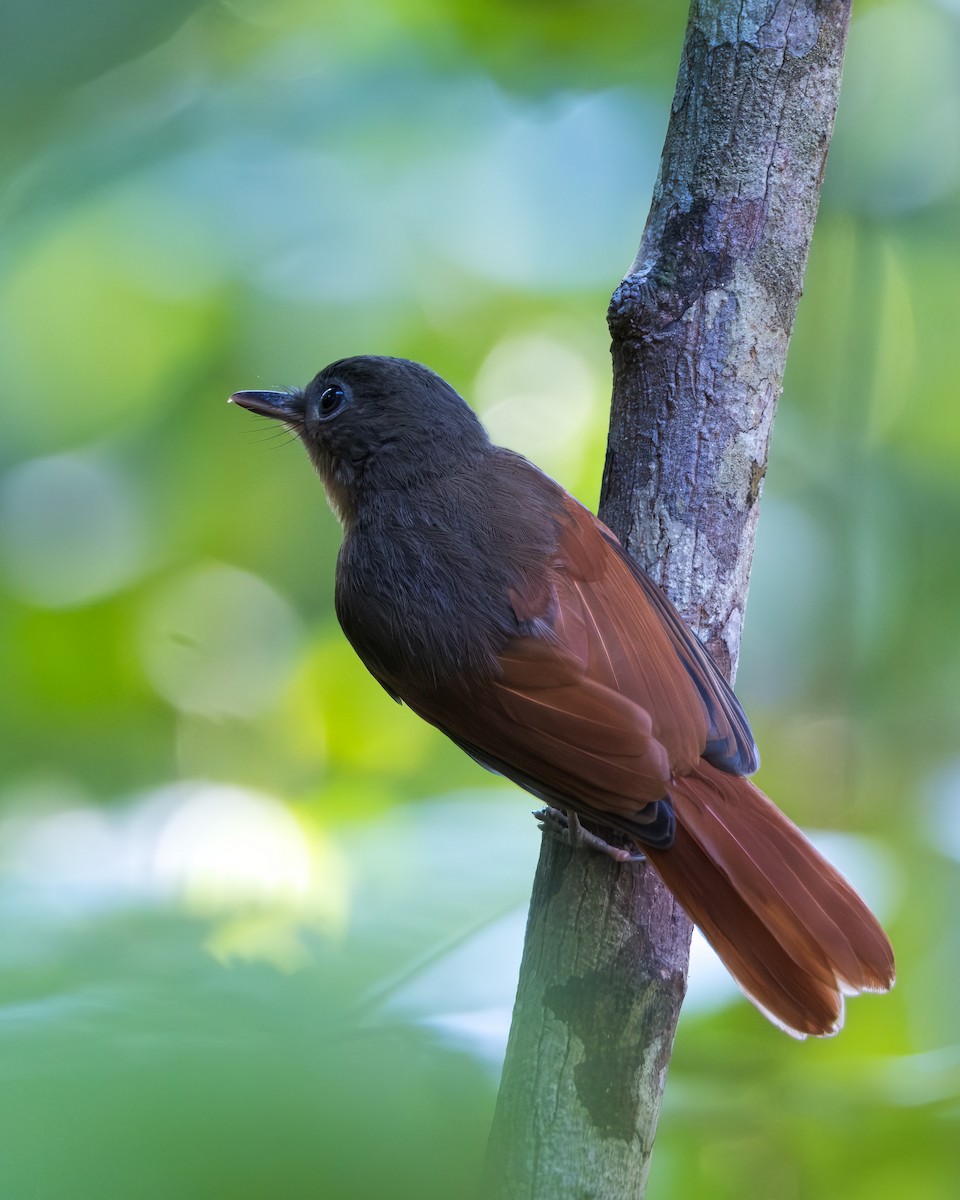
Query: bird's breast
point(422, 607)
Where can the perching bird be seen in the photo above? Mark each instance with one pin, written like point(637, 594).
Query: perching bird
point(482, 595)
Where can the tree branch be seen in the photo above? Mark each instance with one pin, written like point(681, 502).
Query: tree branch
point(700, 328)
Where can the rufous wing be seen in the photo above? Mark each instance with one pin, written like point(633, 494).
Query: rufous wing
point(601, 703)
point(729, 742)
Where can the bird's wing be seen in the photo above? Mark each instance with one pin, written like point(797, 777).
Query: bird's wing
point(729, 745)
point(602, 702)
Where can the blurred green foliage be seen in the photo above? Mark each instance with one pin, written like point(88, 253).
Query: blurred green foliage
point(258, 926)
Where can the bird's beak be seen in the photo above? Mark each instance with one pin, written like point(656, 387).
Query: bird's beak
point(282, 406)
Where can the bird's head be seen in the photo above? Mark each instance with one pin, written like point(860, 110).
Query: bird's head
point(375, 424)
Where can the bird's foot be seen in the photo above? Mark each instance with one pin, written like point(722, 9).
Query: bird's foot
point(567, 826)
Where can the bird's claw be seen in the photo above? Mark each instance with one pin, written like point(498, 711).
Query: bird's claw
point(567, 826)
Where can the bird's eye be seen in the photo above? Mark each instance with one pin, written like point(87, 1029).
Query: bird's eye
point(331, 399)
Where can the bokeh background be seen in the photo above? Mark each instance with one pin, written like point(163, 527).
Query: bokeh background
point(259, 928)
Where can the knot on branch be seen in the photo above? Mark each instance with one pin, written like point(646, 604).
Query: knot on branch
point(694, 251)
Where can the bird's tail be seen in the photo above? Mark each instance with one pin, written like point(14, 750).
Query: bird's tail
point(793, 933)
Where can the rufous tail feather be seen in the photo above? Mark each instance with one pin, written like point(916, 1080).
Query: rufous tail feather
point(793, 933)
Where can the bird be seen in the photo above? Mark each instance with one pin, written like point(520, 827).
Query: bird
point(484, 597)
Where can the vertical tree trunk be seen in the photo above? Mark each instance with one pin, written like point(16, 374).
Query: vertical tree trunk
point(700, 328)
